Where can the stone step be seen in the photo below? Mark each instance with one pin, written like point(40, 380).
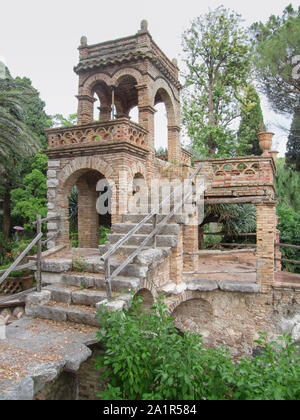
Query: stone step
point(119, 284)
point(65, 294)
point(127, 250)
point(123, 228)
point(162, 241)
point(65, 312)
point(137, 218)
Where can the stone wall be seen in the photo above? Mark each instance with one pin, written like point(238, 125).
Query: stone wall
point(235, 319)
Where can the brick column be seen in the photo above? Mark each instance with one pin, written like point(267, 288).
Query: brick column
point(176, 260)
point(266, 230)
point(174, 146)
point(85, 109)
point(191, 243)
point(53, 206)
point(88, 218)
point(105, 113)
point(146, 120)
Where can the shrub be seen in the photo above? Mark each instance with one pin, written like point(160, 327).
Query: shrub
point(146, 358)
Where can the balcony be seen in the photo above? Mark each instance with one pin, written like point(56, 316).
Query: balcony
point(98, 132)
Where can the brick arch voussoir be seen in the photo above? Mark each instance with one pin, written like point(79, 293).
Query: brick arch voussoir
point(88, 86)
point(179, 299)
point(128, 71)
point(81, 163)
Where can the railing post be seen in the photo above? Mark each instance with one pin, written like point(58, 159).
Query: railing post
point(39, 255)
point(107, 277)
point(154, 227)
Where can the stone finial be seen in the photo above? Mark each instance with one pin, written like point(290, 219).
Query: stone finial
point(144, 25)
point(175, 62)
point(83, 41)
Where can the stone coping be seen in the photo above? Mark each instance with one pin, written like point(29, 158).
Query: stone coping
point(36, 351)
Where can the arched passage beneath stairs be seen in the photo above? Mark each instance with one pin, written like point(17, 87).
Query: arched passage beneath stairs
point(195, 315)
point(148, 299)
point(86, 205)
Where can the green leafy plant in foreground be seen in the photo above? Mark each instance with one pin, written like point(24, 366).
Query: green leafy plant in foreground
point(145, 357)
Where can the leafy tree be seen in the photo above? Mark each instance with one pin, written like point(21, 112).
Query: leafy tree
point(58, 120)
point(17, 141)
point(145, 358)
point(287, 183)
point(15, 136)
point(235, 219)
point(251, 122)
point(293, 144)
point(277, 47)
point(289, 226)
point(35, 116)
point(218, 61)
point(32, 198)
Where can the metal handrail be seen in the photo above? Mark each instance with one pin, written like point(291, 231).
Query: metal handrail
point(37, 240)
point(156, 228)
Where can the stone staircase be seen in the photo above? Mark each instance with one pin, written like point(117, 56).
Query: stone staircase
point(76, 296)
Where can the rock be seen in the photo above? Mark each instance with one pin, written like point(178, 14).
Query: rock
point(18, 312)
point(56, 266)
point(149, 256)
point(79, 280)
point(174, 289)
point(52, 226)
point(112, 306)
point(74, 315)
point(296, 333)
point(53, 163)
point(59, 294)
point(75, 360)
point(47, 312)
point(38, 298)
point(201, 285)
point(228, 286)
point(2, 329)
point(89, 298)
point(24, 392)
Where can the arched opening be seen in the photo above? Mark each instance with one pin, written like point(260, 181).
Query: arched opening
point(147, 297)
point(103, 104)
point(138, 199)
point(126, 95)
point(87, 221)
point(195, 315)
point(161, 128)
point(134, 114)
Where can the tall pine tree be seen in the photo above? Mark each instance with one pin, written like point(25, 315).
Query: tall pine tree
point(251, 122)
point(293, 144)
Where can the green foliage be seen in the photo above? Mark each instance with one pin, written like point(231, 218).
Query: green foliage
point(103, 232)
point(35, 116)
point(58, 120)
point(161, 151)
point(293, 144)
point(287, 182)
point(218, 60)
point(235, 219)
point(145, 358)
point(32, 198)
point(289, 226)
point(73, 209)
point(251, 122)
point(79, 263)
point(277, 42)
point(16, 138)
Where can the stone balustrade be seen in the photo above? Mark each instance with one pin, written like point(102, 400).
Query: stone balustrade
point(116, 130)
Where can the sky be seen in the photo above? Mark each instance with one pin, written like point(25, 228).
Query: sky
point(39, 40)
